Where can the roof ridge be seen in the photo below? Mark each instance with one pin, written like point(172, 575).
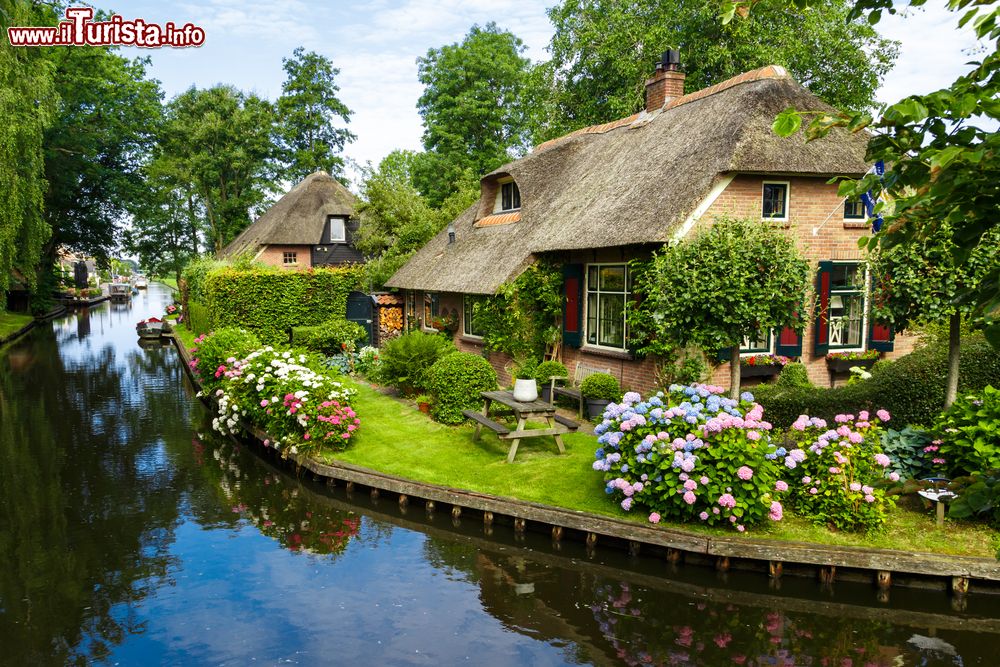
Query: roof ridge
point(766, 72)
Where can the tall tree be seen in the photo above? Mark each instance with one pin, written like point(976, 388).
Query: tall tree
point(222, 141)
point(739, 279)
point(473, 108)
point(604, 50)
point(161, 232)
point(101, 136)
point(27, 103)
point(941, 153)
point(307, 109)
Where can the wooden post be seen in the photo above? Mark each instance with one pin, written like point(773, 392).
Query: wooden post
point(487, 518)
point(940, 514)
point(959, 585)
point(403, 500)
point(429, 506)
point(557, 533)
point(350, 487)
point(774, 569)
point(375, 493)
point(519, 525)
point(883, 579)
point(591, 539)
point(827, 574)
point(722, 564)
point(674, 555)
point(331, 482)
point(633, 547)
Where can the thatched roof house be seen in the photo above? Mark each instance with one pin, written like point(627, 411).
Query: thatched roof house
point(632, 181)
point(603, 195)
point(312, 224)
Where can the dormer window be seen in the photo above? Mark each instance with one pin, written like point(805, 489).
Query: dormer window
point(335, 230)
point(508, 197)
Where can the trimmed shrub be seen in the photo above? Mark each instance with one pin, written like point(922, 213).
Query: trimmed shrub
point(969, 433)
point(269, 301)
point(794, 374)
point(406, 359)
point(600, 386)
point(211, 358)
point(329, 338)
point(548, 369)
point(194, 274)
point(456, 381)
point(691, 455)
point(197, 317)
point(911, 388)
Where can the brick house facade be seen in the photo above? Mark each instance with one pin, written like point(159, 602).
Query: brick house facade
point(608, 194)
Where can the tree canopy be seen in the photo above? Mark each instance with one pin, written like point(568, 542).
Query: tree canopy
point(473, 108)
point(604, 50)
point(307, 110)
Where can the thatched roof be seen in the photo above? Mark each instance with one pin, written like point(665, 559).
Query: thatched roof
point(298, 217)
point(633, 181)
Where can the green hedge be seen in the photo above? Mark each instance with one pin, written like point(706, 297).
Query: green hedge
point(269, 301)
point(457, 380)
point(329, 336)
point(198, 318)
point(910, 388)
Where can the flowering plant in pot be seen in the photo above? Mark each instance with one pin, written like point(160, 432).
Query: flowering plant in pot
point(424, 403)
point(843, 361)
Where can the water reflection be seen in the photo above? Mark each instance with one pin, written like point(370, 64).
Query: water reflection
point(129, 538)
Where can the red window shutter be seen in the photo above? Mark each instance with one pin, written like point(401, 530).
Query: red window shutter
point(881, 336)
point(789, 343)
point(572, 306)
point(822, 342)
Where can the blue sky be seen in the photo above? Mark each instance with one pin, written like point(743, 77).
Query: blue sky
point(375, 45)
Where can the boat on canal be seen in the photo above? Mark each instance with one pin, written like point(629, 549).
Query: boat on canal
point(152, 328)
point(120, 291)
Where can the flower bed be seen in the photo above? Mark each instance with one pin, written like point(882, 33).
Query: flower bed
point(842, 362)
point(279, 391)
point(691, 455)
point(760, 365)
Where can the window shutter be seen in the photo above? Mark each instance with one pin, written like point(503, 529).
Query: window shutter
point(789, 343)
point(573, 304)
point(821, 340)
point(881, 336)
point(725, 354)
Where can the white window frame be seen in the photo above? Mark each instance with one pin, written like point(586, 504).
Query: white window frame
point(498, 201)
point(586, 307)
point(328, 229)
point(788, 200)
point(864, 216)
point(770, 347)
point(865, 294)
point(284, 257)
point(466, 324)
point(424, 324)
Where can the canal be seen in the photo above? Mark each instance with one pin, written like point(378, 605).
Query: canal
point(130, 535)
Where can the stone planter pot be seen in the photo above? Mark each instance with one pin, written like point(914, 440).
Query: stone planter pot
point(525, 390)
point(546, 393)
point(595, 407)
point(424, 407)
point(759, 370)
point(845, 365)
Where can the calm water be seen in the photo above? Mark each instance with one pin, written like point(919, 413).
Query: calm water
point(128, 535)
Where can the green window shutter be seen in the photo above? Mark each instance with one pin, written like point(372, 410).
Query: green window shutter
point(725, 354)
point(881, 335)
point(573, 305)
point(821, 340)
point(789, 343)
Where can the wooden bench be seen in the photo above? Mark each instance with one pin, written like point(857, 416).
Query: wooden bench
point(567, 422)
point(582, 372)
point(483, 420)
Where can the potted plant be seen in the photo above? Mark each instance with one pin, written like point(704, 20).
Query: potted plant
point(842, 362)
point(762, 365)
point(525, 387)
point(544, 374)
point(424, 403)
point(598, 390)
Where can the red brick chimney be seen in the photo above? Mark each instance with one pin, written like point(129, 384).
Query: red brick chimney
point(666, 83)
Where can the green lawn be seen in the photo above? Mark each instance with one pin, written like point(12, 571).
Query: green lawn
point(397, 439)
point(169, 282)
point(12, 322)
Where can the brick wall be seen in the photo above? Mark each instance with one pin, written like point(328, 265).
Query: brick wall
point(274, 256)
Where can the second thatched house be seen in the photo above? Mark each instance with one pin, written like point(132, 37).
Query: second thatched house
point(603, 195)
point(313, 224)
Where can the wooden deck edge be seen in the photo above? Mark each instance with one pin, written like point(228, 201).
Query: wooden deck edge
point(804, 553)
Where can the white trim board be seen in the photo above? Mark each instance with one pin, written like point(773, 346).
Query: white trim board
point(706, 203)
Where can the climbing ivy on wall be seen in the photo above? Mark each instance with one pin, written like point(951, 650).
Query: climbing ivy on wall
point(524, 315)
point(268, 301)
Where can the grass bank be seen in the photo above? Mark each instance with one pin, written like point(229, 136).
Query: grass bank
point(11, 323)
point(395, 438)
point(169, 282)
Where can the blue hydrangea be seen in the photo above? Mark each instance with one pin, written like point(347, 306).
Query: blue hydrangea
point(746, 396)
point(599, 454)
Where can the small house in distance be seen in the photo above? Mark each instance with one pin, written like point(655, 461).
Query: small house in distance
point(313, 224)
point(599, 197)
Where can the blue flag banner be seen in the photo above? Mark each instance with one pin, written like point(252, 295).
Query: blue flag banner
point(877, 223)
point(880, 168)
point(869, 203)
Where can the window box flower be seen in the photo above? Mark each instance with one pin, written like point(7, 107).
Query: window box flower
point(762, 365)
point(843, 362)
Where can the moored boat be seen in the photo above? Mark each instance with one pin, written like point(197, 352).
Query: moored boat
point(151, 328)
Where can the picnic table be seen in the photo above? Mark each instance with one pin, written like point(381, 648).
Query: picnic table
point(523, 410)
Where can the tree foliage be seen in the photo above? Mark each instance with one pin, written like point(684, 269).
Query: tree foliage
point(524, 315)
point(161, 234)
point(739, 278)
point(941, 152)
point(307, 110)
point(604, 50)
point(27, 104)
point(472, 107)
point(220, 142)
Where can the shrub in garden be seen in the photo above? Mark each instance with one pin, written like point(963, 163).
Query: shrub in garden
point(215, 350)
point(369, 362)
point(600, 386)
point(794, 374)
point(832, 472)
point(330, 337)
point(406, 360)
point(691, 455)
point(969, 433)
point(978, 498)
point(549, 369)
point(278, 391)
point(456, 381)
point(911, 453)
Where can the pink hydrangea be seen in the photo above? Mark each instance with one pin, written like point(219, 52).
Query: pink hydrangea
point(703, 516)
point(654, 518)
point(781, 485)
point(882, 460)
point(727, 500)
point(776, 511)
point(745, 473)
point(894, 477)
point(883, 415)
point(690, 485)
point(690, 498)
